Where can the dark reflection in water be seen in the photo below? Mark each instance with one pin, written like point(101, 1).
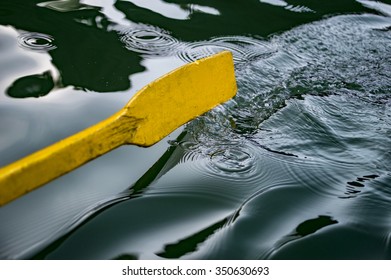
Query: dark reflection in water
point(126, 257)
point(32, 86)
point(313, 225)
point(309, 227)
point(295, 167)
point(351, 244)
point(249, 17)
point(189, 245)
point(305, 228)
point(88, 55)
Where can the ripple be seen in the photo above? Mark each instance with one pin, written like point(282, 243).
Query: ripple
point(238, 171)
point(191, 156)
point(341, 65)
point(228, 173)
point(189, 145)
point(36, 41)
point(236, 161)
point(199, 50)
point(232, 160)
point(271, 191)
point(244, 49)
point(149, 40)
point(297, 9)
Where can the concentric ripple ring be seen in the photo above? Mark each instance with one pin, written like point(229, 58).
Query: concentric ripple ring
point(36, 41)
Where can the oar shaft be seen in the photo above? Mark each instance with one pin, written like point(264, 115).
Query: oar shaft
point(62, 157)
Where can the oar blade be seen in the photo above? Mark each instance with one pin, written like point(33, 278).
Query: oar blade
point(180, 96)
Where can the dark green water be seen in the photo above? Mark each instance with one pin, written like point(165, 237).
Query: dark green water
point(297, 166)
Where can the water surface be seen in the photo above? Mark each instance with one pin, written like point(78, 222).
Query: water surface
point(296, 166)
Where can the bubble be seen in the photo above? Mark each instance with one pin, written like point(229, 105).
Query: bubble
point(36, 42)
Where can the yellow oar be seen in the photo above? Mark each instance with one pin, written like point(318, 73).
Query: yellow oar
point(153, 113)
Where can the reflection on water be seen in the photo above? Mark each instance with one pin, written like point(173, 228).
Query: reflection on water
point(296, 166)
point(232, 160)
point(32, 86)
point(298, 9)
point(189, 244)
point(82, 37)
point(63, 5)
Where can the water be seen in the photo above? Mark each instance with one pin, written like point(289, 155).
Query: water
point(296, 166)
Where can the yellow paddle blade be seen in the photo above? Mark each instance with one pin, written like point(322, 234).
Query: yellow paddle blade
point(174, 99)
point(153, 113)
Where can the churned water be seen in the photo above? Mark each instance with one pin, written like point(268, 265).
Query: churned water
point(296, 166)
